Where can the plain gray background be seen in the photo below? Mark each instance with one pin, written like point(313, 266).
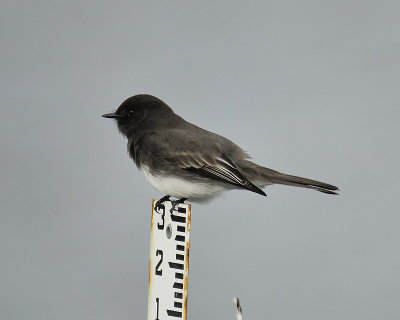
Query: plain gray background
point(306, 87)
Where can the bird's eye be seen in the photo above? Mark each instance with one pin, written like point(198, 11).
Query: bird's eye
point(130, 112)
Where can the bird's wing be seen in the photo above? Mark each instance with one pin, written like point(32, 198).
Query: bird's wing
point(224, 170)
point(205, 158)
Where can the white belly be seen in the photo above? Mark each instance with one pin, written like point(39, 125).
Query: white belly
point(181, 188)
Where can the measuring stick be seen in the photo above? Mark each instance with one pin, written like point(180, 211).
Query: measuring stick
point(169, 262)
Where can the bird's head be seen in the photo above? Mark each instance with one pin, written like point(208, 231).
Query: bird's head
point(140, 112)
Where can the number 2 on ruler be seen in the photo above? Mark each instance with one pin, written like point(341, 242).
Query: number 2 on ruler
point(158, 270)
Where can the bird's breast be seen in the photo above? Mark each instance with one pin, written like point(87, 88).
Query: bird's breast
point(180, 186)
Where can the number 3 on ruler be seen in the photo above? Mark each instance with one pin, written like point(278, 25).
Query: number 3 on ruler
point(161, 226)
point(158, 270)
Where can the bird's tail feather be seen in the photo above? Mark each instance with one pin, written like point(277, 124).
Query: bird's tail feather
point(269, 176)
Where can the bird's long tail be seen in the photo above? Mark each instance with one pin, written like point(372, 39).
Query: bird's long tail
point(262, 176)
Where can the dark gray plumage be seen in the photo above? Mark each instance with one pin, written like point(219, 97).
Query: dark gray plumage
point(185, 161)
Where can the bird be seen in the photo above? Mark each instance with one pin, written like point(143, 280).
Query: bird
point(184, 161)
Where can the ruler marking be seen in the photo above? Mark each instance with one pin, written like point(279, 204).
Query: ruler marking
point(180, 238)
point(178, 218)
point(178, 295)
point(175, 265)
point(178, 285)
point(173, 313)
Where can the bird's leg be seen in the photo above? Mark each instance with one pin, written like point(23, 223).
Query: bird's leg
point(159, 204)
point(175, 203)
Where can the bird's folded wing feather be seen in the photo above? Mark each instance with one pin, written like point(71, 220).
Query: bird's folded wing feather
point(208, 161)
point(221, 169)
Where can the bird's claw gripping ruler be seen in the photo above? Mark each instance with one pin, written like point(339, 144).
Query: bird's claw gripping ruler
point(169, 262)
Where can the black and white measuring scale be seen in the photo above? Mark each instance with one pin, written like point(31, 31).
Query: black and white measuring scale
point(169, 262)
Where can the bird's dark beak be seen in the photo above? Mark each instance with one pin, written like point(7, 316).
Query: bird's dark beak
point(112, 115)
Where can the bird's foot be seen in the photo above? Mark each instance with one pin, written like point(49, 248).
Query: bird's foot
point(160, 203)
point(175, 204)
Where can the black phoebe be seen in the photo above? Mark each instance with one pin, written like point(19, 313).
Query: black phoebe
point(182, 160)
